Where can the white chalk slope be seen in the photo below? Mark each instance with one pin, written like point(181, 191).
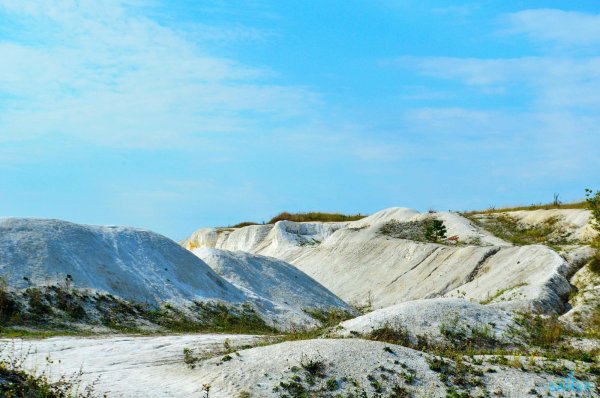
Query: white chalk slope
point(427, 318)
point(362, 266)
point(133, 264)
point(145, 267)
point(157, 369)
point(281, 289)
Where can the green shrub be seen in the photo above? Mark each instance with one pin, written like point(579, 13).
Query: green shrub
point(328, 317)
point(435, 230)
point(393, 335)
point(16, 383)
point(38, 302)
point(8, 306)
point(593, 203)
point(540, 331)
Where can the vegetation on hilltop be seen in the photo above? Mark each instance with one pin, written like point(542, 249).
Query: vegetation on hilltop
point(429, 230)
point(315, 216)
point(539, 206)
point(244, 224)
point(305, 217)
point(508, 228)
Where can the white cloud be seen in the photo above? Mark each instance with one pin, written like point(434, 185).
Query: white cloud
point(567, 28)
point(102, 72)
point(554, 82)
point(548, 117)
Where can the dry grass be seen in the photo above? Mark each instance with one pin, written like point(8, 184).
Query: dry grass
point(506, 227)
point(244, 224)
point(540, 206)
point(304, 217)
point(315, 216)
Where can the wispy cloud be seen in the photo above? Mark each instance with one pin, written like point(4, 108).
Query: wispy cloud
point(567, 28)
point(556, 82)
point(551, 100)
point(100, 72)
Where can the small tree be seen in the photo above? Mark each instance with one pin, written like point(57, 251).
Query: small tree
point(435, 231)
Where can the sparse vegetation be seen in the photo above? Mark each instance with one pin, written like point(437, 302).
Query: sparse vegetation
point(304, 217)
point(539, 206)
point(468, 337)
point(315, 216)
point(510, 229)
point(244, 224)
point(189, 358)
point(394, 335)
point(428, 230)
point(501, 292)
point(15, 382)
point(457, 375)
point(57, 309)
point(328, 317)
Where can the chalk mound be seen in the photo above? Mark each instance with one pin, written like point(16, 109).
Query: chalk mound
point(280, 289)
point(136, 265)
point(353, 367)
point(437, 320)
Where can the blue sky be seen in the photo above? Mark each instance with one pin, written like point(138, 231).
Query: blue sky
point(172, 117)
